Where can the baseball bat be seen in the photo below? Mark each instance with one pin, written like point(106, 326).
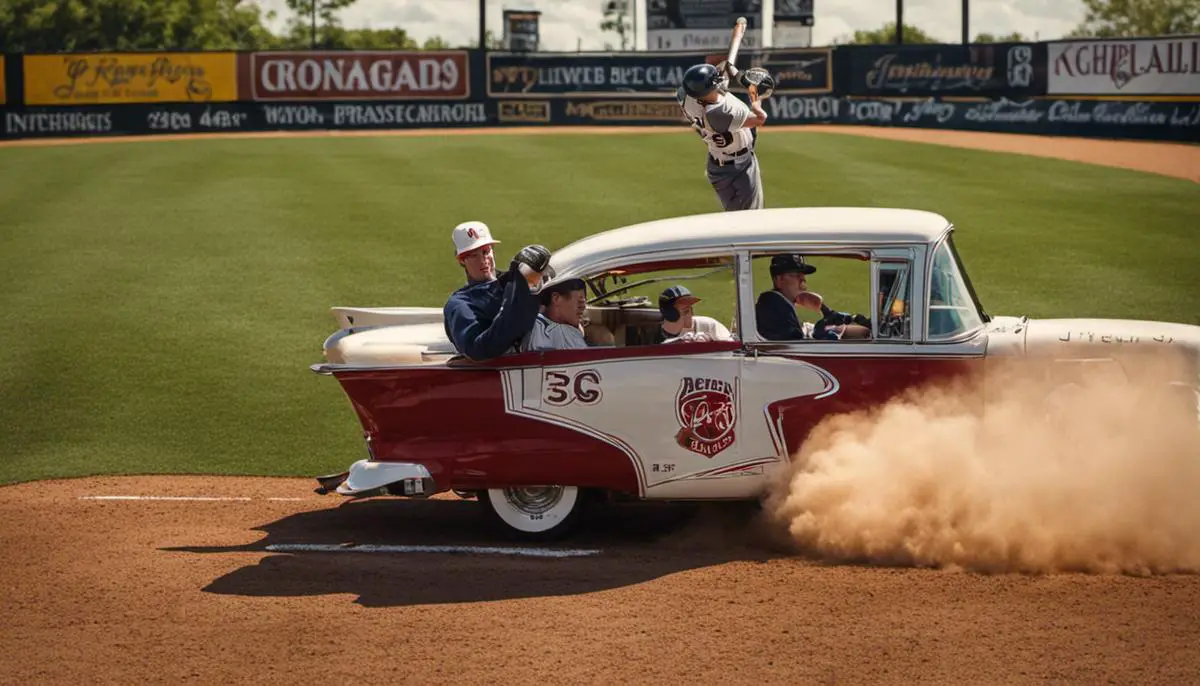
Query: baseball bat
point(735, 39)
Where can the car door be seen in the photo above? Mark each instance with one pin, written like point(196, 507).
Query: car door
point(672, 409)
point(798, 384)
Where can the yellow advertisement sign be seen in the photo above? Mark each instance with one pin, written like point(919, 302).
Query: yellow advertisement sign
point(3, 88)
point(105, 78)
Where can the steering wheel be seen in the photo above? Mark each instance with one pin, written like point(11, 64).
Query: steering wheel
point(892, 326)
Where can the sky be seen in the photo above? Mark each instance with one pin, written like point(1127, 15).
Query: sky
point(574, 24)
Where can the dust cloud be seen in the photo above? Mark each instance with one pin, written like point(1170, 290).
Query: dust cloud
point(1044, 467)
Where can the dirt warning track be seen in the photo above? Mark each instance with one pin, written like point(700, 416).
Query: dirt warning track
point(175, 588)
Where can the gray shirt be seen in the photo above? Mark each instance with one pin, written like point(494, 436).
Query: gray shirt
point(550, 335)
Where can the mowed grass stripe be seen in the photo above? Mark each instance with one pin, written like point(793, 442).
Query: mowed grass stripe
point(162, 301)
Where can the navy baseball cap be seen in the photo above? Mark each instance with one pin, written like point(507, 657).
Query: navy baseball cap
point(560, 287)
point(789, 264)
point(674, 295)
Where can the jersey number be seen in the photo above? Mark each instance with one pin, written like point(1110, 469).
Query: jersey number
point(723, 140)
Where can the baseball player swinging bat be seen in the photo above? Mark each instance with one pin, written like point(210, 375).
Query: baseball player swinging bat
point(727, 125)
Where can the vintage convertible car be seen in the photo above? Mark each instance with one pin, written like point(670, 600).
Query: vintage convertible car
point(536, 435)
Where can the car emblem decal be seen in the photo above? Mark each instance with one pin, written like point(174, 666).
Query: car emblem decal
point(706, 410)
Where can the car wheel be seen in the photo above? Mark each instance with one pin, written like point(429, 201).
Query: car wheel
point(535, 512)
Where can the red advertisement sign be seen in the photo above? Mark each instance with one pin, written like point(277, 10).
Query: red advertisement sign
point(440, 75)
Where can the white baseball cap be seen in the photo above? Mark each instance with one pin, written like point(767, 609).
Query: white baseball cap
point(471, 235)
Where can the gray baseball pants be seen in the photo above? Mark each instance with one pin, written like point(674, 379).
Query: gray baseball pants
point(737, 182)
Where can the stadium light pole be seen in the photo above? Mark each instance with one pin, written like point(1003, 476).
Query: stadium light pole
point(900, 22)
point(312, 41)
point(483, 25)
point(966, 29)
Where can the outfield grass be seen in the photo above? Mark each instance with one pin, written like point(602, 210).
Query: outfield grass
point(162, 301)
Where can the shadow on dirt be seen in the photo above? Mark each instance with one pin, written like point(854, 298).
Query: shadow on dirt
point(638, 542)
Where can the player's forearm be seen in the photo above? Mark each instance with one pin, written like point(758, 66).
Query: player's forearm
point(758, 116)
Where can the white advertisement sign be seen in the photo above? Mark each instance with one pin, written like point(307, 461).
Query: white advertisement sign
point(1162, 66)
point(700, 39)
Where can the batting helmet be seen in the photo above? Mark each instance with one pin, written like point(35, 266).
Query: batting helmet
point(700, 80)
point(672, 300)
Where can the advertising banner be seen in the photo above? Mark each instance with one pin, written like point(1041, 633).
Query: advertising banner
point(110, 78)
point(622, 112)
point(1108, 119)
point(701, 24)
point(366, 75)
point(1160, 66)
point(239, 116)
point(799, 70)
point(3, 87)
point(559, 75)
point(641, 75)
point(999, 69)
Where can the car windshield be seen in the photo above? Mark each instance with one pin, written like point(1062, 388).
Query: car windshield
point(952, 303)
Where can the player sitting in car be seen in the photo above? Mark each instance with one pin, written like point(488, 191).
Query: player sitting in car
point(488, 317)
point(559, 325)
point(680, 322)
point(776, 308)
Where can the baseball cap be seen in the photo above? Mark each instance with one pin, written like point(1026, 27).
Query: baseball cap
point(677, 296)
point(560, 287)
point(788, 264)
point(471, 235)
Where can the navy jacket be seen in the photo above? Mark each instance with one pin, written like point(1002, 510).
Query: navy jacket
point(486, 319)
point(776, 317)
point(778, 321)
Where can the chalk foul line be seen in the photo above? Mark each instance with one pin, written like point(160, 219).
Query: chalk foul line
point(201, 498)
point(460, 549)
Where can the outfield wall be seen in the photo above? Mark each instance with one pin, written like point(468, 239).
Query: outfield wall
point(1128, 88)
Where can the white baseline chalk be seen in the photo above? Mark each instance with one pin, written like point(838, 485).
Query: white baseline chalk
point(467, 549)
point(181, 498)
point(157, 497)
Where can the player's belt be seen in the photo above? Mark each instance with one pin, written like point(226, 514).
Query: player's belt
point(722, 163)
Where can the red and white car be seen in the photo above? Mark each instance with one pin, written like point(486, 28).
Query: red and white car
point(535, 435)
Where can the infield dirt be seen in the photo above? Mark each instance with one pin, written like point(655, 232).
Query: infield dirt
point(170, 591)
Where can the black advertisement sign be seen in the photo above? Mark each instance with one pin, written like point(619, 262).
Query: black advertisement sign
point(794, 12)
point(550, 75)
point(622, 112)
point(703, 14)
point(1177, 121)
point(98, 120)
point(798, 71)
point(521, 30)
point(558, 75)
point(1000, 69)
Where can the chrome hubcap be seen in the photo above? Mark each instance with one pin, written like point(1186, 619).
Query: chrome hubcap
point(534, 499)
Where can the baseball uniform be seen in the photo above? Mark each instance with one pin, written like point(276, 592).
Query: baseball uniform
point(732, 164)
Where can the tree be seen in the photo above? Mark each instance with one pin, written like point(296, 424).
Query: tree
point(616, 18)
point(435, 43)
point(1014, 37)
point(1125, 18)
point(886, 35)
point(79, 25)
point(311, 15)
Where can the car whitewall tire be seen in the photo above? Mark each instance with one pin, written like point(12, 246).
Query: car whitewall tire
point(535, 512)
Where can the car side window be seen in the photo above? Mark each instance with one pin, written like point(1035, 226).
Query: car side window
point(893, 310)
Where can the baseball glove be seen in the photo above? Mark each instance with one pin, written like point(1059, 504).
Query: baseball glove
point(759, 77)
